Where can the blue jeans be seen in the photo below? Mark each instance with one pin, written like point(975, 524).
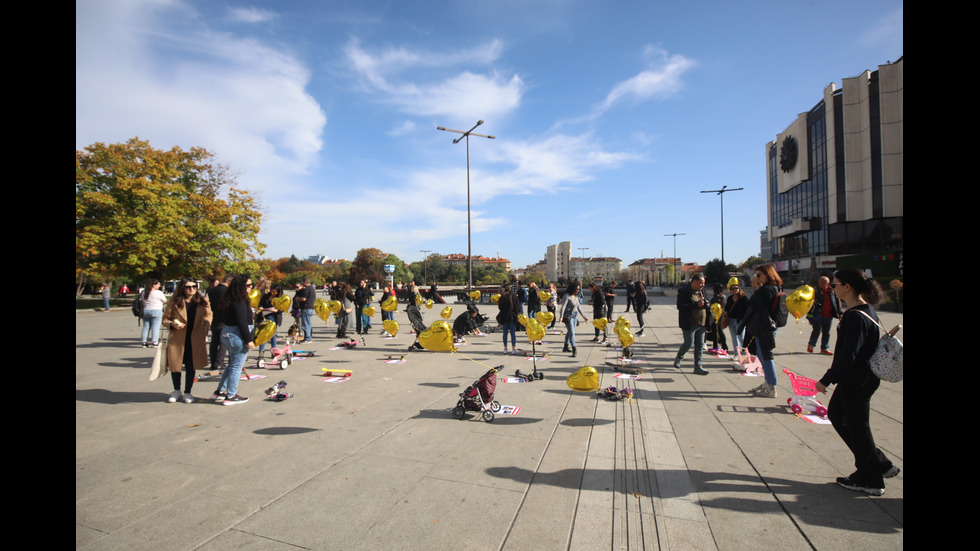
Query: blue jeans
point(736, 336)
point(570, 330)
point(768, 365)
point(693, 337)
point(512, 329)
point(237, 354)
point(151, 324)
point(821, 326)
point(306, 321)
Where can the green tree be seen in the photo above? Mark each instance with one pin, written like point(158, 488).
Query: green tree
point(369, 265)
point(716, 271)
point(142, 210)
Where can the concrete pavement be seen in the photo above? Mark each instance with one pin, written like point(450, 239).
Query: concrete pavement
point(377, 462)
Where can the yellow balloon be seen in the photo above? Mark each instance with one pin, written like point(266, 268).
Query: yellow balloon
point(438, 337)
point(716, 309)
point(522, 319)
point(264, 332)
point(544, 295)
point(254, 296)
point(535, 331)
point(334, 306)
point(447, 312)
point(475, 295)
point(600, 323)
point(282, 303)
point(545, 318)
point(800, 301)
point(585, 379)
point(621, 322)
point(369, 310)
point(418, 300)
point(391, 326)
point(732, 281)
point(429, 303)
point(390, 304)
point(322, 309)
point(495, 298)
point(625, 337)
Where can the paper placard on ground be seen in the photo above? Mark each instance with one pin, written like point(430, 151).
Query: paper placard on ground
point(401, 361)
point(247, 377)
point(751, 374)
point(336, 379)
point(553, 332)
point(337, 348)
point(629, 376)
point(815, 419)
point(629, 360)
point(508, 410)
point(513, 380)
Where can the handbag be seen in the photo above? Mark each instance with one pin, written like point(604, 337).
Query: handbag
point(886, 361)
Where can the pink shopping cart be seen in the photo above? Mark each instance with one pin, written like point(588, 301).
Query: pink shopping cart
point(804, 390)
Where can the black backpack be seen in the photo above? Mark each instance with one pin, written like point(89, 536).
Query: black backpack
point(779, 313)
point(138, 307)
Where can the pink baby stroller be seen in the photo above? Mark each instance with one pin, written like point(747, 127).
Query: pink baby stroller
point(479, 396)
point(282, 357)
point(804, 390)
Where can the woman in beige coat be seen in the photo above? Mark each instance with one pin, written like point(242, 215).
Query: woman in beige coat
point(188, 315)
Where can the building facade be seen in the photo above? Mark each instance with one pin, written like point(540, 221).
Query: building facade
point(835, 176)
point(556, 261)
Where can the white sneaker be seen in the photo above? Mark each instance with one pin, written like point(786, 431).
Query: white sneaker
point(188, 399)
point(174, 396)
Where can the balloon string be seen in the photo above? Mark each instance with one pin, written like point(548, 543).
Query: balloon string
point(471, 359)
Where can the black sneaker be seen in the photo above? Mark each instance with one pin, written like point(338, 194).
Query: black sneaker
point(846, 482)
point(236, 399)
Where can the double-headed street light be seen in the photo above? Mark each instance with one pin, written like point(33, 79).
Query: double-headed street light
point(469, 230)
point(721, 195)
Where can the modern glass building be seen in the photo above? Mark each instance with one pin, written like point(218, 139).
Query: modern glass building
point(835, 176)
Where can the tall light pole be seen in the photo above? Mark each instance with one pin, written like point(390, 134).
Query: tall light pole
point(584, 265)
point(469, 227)
point(425, 265)
point(721, 195)
point(675, 251)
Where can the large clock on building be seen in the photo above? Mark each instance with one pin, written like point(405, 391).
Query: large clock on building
point(788, 153)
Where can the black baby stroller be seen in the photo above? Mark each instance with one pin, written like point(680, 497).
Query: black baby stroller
point(415, 318)
point(479, 396)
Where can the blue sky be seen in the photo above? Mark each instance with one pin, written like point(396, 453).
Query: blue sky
point(609, 117)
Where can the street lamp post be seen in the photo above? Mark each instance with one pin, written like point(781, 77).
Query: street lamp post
point(675, 251)
point(721, 195)
point(469, 227)
point(425, 265)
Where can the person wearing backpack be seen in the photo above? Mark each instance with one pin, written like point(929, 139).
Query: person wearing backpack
point(760, 321)
point(849, 409)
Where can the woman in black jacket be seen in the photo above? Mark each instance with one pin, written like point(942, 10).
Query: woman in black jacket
point(236, 336)
point(759, 321)
point(849, 409)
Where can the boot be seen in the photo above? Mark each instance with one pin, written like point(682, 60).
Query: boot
point(574, 351)
point(565, 349)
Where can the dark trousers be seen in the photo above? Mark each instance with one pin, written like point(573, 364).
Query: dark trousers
point(849, 411)
point(216, 352)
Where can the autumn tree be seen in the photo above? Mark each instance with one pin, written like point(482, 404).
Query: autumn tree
point(141, 210)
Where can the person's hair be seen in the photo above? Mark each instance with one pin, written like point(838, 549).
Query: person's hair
point(149, 287)
point(698, 275)
point(641, 285)
point(532, 285)
point(227, 279)
point(865, 287)
point(572, 287)
point(307, 280)
point(275, 290)
point(179, 296)
point(718, 288)
point(237, 291)
point(771, 275)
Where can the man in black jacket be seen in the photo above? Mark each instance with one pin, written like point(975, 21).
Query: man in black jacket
point(306, 299)
point(692, 313)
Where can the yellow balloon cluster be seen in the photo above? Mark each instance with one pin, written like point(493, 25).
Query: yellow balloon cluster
point(622, 330)
point(535, 331)
point(544, 295)
point(282, 303)
point(475, 295)
point(716, 310)
point(447, 312)
point(545, 318)
point(800, 301)
point(390, 304)
point(391, 326)
point(585, 379)
point(321, 309)
point(369, 311)
point(600, 323)
point(438, 337)
point(264, 332)
point(254, 296)
point(495, 298)
point(621, 322)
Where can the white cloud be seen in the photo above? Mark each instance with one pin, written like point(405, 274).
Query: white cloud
point(661, 79)
point(251, 15)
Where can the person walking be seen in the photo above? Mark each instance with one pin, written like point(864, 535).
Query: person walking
point(509, 307)
point(640, 304)
point(692, 314)
point(598, 310)
point(758, 320)
point(153, 300)
point(188, 317)
point(826, 308)
point(570, 309)
point(849, 409)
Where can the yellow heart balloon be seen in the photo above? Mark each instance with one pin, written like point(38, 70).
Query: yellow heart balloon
point(535, 331)
point(522, 319)
point(438, 337)
point(495, 298)
point(600, 323)
point(447, 312)
point(334, 306)
point(716, 309)
point(625, 337)
point(369, 310)
point(585, 379)
point(800, 301)
point(391, 326)
point(475, 295)
point(429, 303)
point(418, 300)
point(254, 296)
point(545, 318)
point(544, 295)
point(390, 304)
point(322, 309)
point(264, 332)
point(621, 322)
point(282, 303)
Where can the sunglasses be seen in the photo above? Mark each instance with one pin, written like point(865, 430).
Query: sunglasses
point(190, 286)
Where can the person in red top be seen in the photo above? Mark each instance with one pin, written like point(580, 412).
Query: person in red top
point(825, 308)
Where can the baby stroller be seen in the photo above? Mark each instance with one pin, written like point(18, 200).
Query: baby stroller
point(415, 318)
point(804, 390)
point(283, 357)
point(479, 396)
